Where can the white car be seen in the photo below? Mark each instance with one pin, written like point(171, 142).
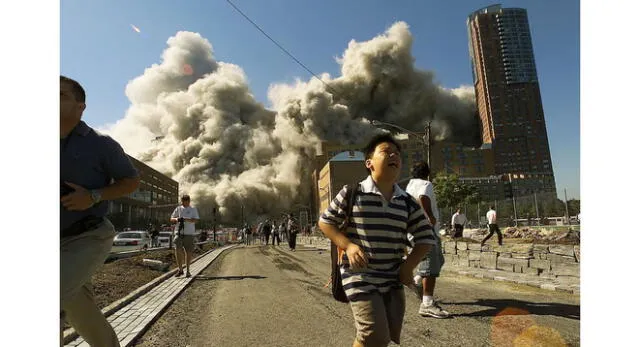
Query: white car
point(131, 241)
point(164, 238)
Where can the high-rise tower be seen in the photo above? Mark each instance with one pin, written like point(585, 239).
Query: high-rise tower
point(508, 97)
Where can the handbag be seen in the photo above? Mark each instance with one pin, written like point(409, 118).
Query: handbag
point(337, 290)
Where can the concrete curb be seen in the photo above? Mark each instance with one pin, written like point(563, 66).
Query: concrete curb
point(70, 333)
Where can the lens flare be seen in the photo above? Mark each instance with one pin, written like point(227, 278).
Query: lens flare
point(135, 28)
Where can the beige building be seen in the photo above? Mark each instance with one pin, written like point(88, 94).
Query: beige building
point(153, 201)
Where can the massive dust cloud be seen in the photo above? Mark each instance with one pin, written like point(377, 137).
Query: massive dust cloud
point(196, 120)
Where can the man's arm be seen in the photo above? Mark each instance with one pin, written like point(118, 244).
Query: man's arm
point(425, 202)
point(120, 188)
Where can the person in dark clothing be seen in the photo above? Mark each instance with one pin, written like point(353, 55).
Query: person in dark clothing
point(266, 231)
point(155, 233)
point(292, 231)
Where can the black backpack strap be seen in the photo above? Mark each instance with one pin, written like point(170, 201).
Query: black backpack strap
point(350, 196)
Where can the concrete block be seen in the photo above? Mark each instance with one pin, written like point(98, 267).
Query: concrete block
point(504, 265)
point(566, 250)
point(576, 252)
point(463, 259)
point(474, 263)
point(473, 246)
point(541, 248)
point(540, 264)
point(522, 248)
point(448, 258)
point(561, 259)
point(566, 269)
point(461, 246)
point(488, 260)
point(532, 271)
point(449, 247)
point(474, 255)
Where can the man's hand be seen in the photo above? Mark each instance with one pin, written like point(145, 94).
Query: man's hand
point(405, 273)
point(357, 258)
point(78, 200)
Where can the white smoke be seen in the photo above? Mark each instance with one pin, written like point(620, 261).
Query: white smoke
point(195, 119)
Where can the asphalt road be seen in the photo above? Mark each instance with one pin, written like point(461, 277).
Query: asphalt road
point(270, 296)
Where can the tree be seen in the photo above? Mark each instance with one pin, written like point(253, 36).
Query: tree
point(451, 192)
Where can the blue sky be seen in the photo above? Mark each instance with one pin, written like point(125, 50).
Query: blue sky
point(101, 50)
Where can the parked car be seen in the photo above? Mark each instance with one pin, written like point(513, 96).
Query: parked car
point(164, 238)
point(131, 241)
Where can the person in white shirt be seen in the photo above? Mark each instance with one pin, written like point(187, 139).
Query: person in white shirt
point(458, 221)
point(421, 189)
point(185, 218)
point(492, 220)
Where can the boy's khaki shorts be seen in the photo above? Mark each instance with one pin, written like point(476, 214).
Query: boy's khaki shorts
point(378, 317)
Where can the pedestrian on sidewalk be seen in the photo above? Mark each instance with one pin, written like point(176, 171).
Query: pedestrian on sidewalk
point(421, 189)
point(266, 231)
point(276, 233)
point(492, 220)
point(88, 162)
point(458, 220)
point(292, 230)
point(155, 233)
point(185, 218)
point(372, 269)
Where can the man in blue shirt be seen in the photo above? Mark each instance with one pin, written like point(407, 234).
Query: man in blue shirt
point(93, 169)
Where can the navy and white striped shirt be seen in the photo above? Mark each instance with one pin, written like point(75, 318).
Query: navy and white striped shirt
point(380, 228)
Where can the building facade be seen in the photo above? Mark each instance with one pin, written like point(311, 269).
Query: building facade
point(342, 169)
point(152, 202)
point(508, 94)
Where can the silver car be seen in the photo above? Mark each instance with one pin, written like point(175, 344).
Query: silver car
point(164, 238)
point(131, 241)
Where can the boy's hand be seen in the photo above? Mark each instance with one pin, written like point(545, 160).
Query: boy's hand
point(357, 258)
point(406, 274)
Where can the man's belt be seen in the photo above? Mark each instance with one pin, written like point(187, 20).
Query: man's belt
point(87, 223)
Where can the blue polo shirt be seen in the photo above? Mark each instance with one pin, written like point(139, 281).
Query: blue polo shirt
point(93, 161)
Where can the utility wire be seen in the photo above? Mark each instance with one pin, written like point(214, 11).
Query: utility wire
point(280, 46)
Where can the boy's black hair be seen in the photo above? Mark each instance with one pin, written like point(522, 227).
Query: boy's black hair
point(370, 148)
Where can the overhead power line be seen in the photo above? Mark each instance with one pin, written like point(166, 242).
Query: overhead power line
point(280, 46)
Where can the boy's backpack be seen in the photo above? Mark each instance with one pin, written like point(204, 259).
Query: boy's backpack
point(337, 253)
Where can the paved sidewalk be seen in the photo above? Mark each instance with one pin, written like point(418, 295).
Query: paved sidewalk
point(131, 321)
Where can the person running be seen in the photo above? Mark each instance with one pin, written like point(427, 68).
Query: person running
point(93, 169)
point(372, 269)
point(492, 220)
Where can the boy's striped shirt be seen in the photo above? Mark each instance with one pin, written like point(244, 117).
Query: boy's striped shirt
point(380, 228)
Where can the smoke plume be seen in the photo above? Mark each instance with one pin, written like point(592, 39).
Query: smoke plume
point(195, 119)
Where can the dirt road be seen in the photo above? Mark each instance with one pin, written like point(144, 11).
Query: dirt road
point(270, 296)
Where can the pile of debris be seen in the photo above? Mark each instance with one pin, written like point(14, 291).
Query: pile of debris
point(545, 235)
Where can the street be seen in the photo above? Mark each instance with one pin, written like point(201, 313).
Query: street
point(270, 296)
